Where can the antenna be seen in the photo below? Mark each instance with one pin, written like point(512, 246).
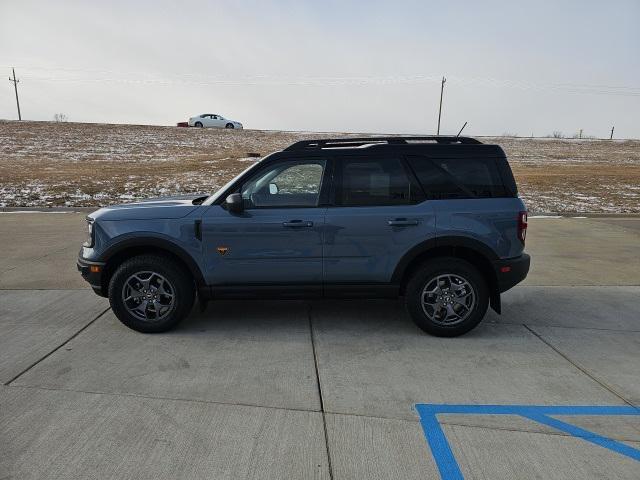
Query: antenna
point(465, 124)
point(440, 107)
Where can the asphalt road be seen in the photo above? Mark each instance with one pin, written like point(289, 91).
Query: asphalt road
point(322, 389)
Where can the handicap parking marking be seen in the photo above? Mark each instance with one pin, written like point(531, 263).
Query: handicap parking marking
point(446, 461)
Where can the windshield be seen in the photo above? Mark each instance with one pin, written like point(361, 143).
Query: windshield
point(216, 195)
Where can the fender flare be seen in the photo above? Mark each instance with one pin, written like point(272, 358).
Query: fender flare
point(433, 243)
point(156, 242)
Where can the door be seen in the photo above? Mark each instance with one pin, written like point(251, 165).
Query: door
point(378, 214)
point(277, 239)
point(208, 120)
point(217, 121)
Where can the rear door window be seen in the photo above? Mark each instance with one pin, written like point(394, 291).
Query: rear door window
point(374, 181)
point(446, 178)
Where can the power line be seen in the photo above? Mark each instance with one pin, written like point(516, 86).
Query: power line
point(108, 76)
point(15, 82)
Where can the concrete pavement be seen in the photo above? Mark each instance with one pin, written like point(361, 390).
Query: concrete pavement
point(34, 323)
point(39, 250)
point(584, 251)
point(316, 389)
point(244, 354)
point(61, 434)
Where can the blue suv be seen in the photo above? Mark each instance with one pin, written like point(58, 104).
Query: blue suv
point(435, 220)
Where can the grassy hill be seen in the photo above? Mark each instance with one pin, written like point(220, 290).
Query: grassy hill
point(76, 164)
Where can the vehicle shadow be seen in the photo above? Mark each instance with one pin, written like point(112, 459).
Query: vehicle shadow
point(243, 315)
point(613, 308)
point(352, 315)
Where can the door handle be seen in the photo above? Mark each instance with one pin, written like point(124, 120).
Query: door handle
point(297, 224)
point(402, 222)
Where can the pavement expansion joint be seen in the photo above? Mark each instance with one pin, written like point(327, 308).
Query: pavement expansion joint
point(582, 369)
point(58, 347)
point(318, 383)
point(173, 399)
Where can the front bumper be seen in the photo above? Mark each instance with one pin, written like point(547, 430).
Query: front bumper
point(511, 271)
point(92, 273)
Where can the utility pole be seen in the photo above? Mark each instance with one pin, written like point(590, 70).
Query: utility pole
point(440, 109)
point(15, 87)
point(611, 136)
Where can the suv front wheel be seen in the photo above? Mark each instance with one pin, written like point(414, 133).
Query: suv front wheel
point(447, 297)
point(150, 293)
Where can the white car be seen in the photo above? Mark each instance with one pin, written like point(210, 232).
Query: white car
point(212, 120)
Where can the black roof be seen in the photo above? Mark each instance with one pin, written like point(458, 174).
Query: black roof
point(443, 146)
point(363, 141)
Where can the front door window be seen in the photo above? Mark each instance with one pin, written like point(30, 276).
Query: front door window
point(287, 184)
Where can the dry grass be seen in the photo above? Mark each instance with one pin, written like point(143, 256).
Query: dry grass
point(567, 175)
point(54, 164)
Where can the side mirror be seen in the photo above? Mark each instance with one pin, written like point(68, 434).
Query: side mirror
point(273, 188)
point(234, 203)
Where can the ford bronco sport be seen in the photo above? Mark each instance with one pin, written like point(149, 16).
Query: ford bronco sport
point(436, 220)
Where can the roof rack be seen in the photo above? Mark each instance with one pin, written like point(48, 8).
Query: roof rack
point(361, 141)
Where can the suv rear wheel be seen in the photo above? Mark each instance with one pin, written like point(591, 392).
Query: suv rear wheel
point(447, 297)
point(150, 293)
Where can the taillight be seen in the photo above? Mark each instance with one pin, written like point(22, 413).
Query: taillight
point(522, 226)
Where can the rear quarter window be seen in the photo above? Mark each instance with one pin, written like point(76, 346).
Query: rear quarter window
point(447, 178)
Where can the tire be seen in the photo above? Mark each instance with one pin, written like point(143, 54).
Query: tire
point(451, 277)
point(229, 125)
point(169, 293)
point(198, 124)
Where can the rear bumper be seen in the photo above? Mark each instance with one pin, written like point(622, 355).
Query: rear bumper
point(92, 275)
point(511, 271)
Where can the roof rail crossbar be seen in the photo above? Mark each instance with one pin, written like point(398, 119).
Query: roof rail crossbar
point(360, 141)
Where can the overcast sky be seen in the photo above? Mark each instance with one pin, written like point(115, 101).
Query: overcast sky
point(367, 66)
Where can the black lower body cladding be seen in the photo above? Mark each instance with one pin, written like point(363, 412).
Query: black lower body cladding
point(92, 275)
point(511, 271)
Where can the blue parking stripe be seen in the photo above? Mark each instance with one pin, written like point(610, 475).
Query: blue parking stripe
point(440, 449)
point(521, 409)
point(443, 455)
point(587, 435)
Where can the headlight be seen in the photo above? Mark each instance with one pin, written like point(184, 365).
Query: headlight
point(89, 241)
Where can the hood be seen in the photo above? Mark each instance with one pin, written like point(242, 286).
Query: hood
point(167, 207)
